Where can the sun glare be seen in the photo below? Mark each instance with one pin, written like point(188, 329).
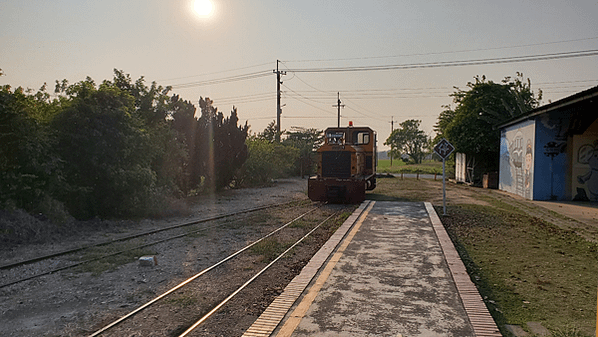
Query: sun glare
point(203, 7)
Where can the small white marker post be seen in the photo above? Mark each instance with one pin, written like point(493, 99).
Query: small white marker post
point(444, 149)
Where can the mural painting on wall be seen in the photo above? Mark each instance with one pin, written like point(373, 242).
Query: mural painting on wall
point(521, 160)
point(528, 169)
point(588, 154)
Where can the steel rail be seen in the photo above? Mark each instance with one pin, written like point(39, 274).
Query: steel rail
point(182, 284)
point(55, 270)
point(216, 308)
point(133, 236)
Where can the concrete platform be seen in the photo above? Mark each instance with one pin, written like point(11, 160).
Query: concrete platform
point(390, 270)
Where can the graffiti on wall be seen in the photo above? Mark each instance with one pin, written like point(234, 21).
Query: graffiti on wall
point(517, 160)
point(588, 154)
point(521, 160)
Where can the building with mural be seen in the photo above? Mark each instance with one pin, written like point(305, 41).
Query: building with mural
point(551, 153)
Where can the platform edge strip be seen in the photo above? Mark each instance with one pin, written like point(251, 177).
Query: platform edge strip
point(473, 299)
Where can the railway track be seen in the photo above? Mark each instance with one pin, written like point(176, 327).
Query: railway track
point(213, 308)
point(84, 302)
point(81, 300)
point(52, 270)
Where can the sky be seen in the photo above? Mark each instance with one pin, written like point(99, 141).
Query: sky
point(414, 42)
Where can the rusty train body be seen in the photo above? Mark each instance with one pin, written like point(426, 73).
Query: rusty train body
point(346, 165)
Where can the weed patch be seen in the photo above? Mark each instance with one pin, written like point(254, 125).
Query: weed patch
point(269, 249)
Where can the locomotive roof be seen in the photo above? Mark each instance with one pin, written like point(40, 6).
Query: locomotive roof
point(345, 128)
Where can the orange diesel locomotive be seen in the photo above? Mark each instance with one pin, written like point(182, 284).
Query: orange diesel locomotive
point(346, 165)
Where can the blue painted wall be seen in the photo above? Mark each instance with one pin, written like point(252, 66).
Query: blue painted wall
point(551, 162)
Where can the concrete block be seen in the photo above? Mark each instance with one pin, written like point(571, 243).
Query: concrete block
point(148, 261)
point(516, 330)
point(538, 329)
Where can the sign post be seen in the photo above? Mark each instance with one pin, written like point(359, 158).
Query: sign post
point(444, 149)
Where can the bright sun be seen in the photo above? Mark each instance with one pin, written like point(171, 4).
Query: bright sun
point(203, 7)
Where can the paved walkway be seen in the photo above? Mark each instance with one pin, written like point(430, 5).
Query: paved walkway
point(394, 273)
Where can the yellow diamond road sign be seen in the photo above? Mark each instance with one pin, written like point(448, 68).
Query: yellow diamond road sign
point(444, 148)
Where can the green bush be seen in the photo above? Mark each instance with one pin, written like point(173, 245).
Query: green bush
point(266, 161)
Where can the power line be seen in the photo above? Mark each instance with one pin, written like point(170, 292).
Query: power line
point(229, 79)
point(442, 53)
point(512, 59)
point(216, 72)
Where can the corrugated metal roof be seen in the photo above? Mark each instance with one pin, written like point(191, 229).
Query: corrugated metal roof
point(562, 103)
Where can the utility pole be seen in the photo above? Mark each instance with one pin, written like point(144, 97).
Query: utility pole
point(339, 106)
point(278, 109)
point(392, 128)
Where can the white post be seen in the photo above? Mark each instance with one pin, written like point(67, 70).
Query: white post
point(443, 187)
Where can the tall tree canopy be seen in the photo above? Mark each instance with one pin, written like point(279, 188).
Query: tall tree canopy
point(29, 168)
point(222, 149)
point(408, 139)
point(114, 149)
point(471, 125)
point(105, 149)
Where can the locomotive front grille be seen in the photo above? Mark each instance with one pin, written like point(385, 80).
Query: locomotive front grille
point(336, 164)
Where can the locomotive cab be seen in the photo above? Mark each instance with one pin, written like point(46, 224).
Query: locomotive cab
point(346, 165)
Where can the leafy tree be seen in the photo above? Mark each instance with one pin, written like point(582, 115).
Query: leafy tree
point(155, 108)
point(471, 125)
point(184, 125)
point(112, 150)
point(266, 161)
point(307, 141)
point(270, 133)
point(29, 168)
point(410, 140)
point(219, 149)
point(104, 147)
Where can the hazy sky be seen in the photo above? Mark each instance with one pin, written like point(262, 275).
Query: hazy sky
point(165, 41)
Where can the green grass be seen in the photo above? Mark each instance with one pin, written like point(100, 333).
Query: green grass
point(269, 249)
point(396, 189)
point(301, 223)
point(398, 166)
point(182, 301)
point(529, 270)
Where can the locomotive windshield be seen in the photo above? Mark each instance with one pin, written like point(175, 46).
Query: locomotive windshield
point(335, 137)
point(361, 137)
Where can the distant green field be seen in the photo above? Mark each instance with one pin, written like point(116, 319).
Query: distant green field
point(398, 166)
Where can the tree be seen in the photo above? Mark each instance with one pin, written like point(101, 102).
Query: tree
point(266, 161)
point(220, 148)
point(307, 142)
point(471, 125)
point(29, 166)
point(410, 140)
point(105, 147)
point(270, 133)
